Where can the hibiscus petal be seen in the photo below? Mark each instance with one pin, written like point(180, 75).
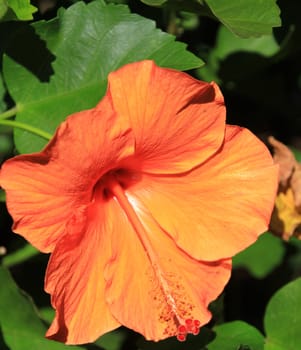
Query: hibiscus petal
point(178, 121)
point(76, 282)
point(220, 207)
point(153, 287)
point(44, 189)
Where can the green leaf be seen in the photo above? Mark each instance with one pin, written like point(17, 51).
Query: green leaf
point(88, 41)
point(236, 335)
point(22, 9)
point(19, 323)
point(247, 18)
point(283, 318)
point(47, 313)
point(228, 43)
point(19, 256)
point(255, 258)
point(3, 8)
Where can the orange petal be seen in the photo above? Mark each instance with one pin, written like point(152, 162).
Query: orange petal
point(44, 189)
point(220, 207)
point(76, 282)
point(153, 287)
point(178, 122)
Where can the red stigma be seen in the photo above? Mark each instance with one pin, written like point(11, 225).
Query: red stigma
point(182, 329)
point(190, 326)
point(197, 323)
point(188, 322)
point(181, 337)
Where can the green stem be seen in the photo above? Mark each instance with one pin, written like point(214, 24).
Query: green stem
point(9, 113)
point(26, 127)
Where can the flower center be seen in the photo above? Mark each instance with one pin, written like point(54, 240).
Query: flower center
point(123, 177)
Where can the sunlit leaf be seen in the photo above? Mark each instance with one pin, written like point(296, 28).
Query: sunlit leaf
point(88, 42)
point(283, 318)
point(22, 8)
point(16, 10)
point(247, 17)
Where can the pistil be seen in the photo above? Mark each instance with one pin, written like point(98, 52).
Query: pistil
point(118, 192)
point(184, 326)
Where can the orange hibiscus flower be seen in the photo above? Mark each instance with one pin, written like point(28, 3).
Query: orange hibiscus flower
point(142, 201)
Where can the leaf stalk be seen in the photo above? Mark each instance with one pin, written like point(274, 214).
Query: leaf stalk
point(26, 127)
